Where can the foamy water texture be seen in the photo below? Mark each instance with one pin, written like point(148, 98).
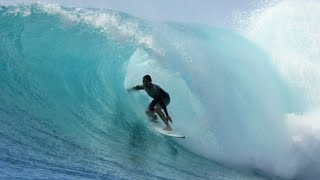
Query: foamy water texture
point(247, 102)
point(289, 32)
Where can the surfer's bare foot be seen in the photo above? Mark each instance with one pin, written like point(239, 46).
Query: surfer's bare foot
point(167, 128)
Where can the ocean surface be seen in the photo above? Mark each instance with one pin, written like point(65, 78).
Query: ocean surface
point(246, 100)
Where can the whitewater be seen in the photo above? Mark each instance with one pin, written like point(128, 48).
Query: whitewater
point(247, 101)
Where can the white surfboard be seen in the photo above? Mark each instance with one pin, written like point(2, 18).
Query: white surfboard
point(172, 133)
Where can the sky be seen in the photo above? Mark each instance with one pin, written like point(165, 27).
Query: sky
point(212, 12)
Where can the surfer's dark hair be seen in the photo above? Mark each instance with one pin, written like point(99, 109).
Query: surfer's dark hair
point(147, 77)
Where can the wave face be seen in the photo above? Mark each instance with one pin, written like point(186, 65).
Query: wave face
point(65, 111)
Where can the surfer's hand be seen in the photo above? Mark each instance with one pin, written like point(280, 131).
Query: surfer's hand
point(169, 119)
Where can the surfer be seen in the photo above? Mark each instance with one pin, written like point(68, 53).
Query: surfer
point(161, 99)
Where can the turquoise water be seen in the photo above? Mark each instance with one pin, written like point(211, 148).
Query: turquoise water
point(65, 111)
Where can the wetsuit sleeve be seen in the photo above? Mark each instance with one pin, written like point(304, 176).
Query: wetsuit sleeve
point(139, 87)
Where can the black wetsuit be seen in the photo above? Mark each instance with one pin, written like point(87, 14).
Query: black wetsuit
point(158, 94)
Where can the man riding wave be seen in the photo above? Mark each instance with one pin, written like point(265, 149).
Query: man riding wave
point(161, 100)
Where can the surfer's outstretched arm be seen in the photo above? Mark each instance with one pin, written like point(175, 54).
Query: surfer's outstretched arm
point(138, 87)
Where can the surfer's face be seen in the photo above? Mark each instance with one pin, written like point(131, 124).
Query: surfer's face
point(146, 82)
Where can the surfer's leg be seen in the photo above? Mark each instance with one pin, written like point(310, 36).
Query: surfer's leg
point(150, 112)
point(158, 110)
point(151, 115)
